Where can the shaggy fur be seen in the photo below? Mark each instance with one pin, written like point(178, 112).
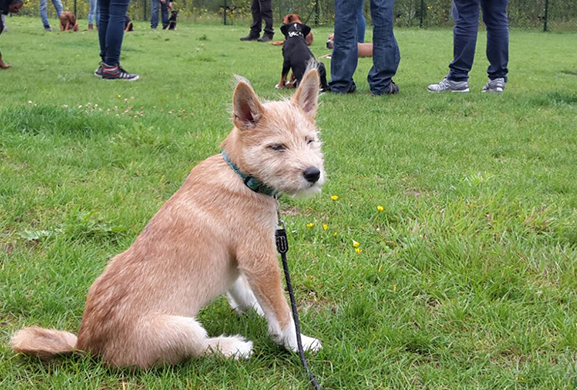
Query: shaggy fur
point(213, 236)
point(68, 21)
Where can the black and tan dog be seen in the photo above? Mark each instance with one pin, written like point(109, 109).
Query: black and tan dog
point(298, 57)
point(172, 20)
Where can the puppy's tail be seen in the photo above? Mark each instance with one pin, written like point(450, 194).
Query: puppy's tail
point(44, 343)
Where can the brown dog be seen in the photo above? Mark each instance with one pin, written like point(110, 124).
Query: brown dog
point(68, 21)
point(216, 234)
point(294, 18)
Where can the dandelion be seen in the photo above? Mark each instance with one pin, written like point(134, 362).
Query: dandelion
point(358, 250)
point(380, 208)
point(119, 96)
point(325, 226)
point(310, 224)
point(335, 198)
point(356, 244)
point(335, 234)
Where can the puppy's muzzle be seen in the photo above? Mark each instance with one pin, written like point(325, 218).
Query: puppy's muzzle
point(330, 44)
point(312, 174)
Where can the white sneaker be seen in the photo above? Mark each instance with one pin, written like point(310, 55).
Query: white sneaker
point(496, 85)
point(449, 85)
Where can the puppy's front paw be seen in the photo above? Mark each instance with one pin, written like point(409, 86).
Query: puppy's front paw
point(310, 343)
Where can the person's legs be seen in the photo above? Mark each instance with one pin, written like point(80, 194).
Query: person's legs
point(44, 13)
point(345, 53)
point(92, 4)
point(266, 15)
point(256, 25)
point(104, 10)
point(495, 18)
point(361, 24)
point(115, 31)
point(58, 7)
point(386, 55)
point(466, 15)
point(164, 14)
point(155, 5)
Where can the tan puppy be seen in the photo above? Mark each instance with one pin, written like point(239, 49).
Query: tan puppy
point(68, 21)
point(214, 235)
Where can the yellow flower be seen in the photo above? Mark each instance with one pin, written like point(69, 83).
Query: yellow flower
point(335, 234)
point(309, 225)
point(325, 226)
point(380, 208)
point(119, 96)
point(358, 250)
point(335, 197)
point(356, 244)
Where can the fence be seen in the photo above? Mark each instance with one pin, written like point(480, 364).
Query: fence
point(543, 14)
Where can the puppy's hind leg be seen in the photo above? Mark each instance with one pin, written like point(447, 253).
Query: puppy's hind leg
point(165, 339)
point(241, 298)
point(286, 66)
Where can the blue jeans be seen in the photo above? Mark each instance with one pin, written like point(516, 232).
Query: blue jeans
point(361, 24)
point(93, 11)
point(111, 29)
point(466, 15)
point(156, 4)
point(386, 56)
point(44, 13)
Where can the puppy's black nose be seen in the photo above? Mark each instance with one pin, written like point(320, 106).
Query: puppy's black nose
point(312, 174)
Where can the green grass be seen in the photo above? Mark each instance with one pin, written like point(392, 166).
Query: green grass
point(467, 279)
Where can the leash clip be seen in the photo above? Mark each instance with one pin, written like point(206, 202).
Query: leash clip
point(281, 239)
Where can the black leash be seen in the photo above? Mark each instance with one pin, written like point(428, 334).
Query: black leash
point(282, 248)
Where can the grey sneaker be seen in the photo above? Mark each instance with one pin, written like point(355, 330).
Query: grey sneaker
point(98, 71)
point(449, 85)
point(495, 85)
point(47, 28)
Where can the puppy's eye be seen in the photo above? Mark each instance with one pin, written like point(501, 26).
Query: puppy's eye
point(278, 147)
point(310, 141)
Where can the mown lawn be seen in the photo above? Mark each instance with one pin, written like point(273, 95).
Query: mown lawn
point(466, 279)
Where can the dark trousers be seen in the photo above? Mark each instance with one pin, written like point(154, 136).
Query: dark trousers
point(386, 55)
point(466, 15)
point(111, 29)
point(261, 10)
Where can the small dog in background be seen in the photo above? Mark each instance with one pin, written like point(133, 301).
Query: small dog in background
point(297, 56)
point(68, 21)
point(294, 18)
point(215, 235)
point(128, 26)
point(172, 20)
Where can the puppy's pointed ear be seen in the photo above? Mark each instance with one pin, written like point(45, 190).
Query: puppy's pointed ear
point(247, 109)
point(307, 95)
